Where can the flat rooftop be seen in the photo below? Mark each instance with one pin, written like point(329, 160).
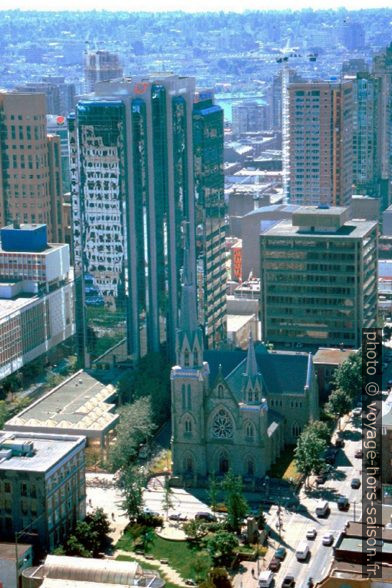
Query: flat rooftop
point(48, 450)
point(7, 550)
point(8, 307)
point(237, 321)
point(78, 403)
point(331, 355)
point(353, 229)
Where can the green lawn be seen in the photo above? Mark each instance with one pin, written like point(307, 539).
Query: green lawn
point(189, 561)
point(285, 468)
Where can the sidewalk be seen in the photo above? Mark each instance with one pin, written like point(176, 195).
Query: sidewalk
point(169, 573)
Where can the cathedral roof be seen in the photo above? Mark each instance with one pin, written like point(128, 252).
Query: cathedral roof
point(283, 372)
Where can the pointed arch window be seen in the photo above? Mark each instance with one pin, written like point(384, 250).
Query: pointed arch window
point(250, 396)
point(188, 426)
point(296, 430)
point(250, 431)
point(223, 463)
point(250, 467)
point(195, 357)
point(220, 391)
point(189, 397)
point(183, 397)
point(256, 396)
point(188, 464)
point(186, 358)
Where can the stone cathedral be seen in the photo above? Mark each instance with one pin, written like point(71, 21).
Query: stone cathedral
point(234, 410)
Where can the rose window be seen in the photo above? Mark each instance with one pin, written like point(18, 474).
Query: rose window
point(222, 427)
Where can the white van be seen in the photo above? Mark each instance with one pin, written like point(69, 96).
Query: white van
point(322, 509)
point(265, 579)
point(302, 551)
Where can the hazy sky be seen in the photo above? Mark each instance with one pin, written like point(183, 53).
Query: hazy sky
point(190, 5)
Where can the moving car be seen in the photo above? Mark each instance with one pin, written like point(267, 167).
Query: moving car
point(322, 509)
point(177, 517)
point(327, 539)
point(311, 534)
point(355, 483)
point(265, 579)
point(302, 552)
point(288, 582)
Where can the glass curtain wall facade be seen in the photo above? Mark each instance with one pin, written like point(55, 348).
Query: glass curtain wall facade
point(210, 217)
point(131, 158)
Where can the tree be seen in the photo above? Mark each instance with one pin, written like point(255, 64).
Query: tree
point(221, 546)
point(167, 499)
point(135, 428)
point(213, 490)
point(195, 529)
point(308, 453)
point(320, 429)
point(348, 376)
point(236, 504)
point(4, 413)
point(100, 528)
point(339, 404)
point(261, 520)
point(387, 332)
point(75, 548)
point(217, 578)
point(131, 482)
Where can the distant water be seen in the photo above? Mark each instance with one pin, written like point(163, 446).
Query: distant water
point(227, 100)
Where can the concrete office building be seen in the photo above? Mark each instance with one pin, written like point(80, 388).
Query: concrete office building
point(248, 117)
point(318, 166)
point(30, 164)
point(318, 279)
point(210, 208)
point(57, 125)
point(366, 135)
point(100, 66)
point(36, 296)
point(42, 482)
point(353, 36)
point(382, 68)
point(133, 205)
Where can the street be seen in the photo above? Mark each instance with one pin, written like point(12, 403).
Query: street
point(295, 525)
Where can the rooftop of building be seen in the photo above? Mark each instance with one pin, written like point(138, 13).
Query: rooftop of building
point(80, 403)
point(354, 229)
point(35, 452)
point(7, 307)
point(77, 571)
point(7, 550)
point(332, 355)
point(282, 371)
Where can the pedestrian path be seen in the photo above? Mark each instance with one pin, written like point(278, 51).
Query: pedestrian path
point(167, 572)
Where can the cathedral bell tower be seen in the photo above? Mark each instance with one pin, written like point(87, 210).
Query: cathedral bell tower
point(189, 386)
point(252, 386)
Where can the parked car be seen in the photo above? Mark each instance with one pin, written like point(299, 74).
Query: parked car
point(280, 553)
point(327, 539)
point(288, 582)
point(205, 516)
point(177, 517)
point(339, 442)
point(311, 533)
point(358, 453)
point(190, 582)
point(343, 503)
point(274, 565)
point(355, 483)
point(322, 509)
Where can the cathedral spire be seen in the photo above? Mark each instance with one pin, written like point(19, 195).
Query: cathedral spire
point(188, 313)
point(252, 369)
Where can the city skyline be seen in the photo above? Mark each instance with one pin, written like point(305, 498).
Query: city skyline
point(205, 6)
